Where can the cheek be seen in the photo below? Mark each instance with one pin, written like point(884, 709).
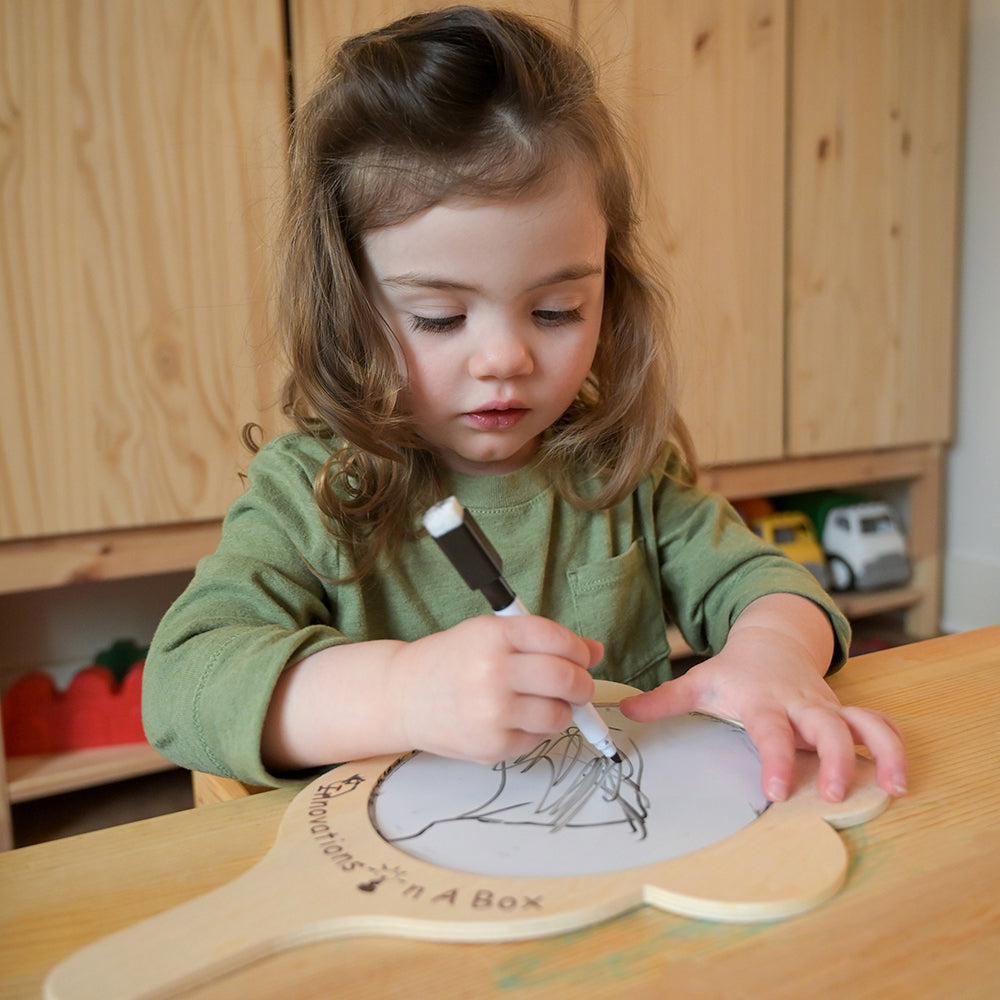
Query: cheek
point(584, 356)
point(423, 375)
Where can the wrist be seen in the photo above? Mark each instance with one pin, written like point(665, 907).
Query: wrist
point(788, 618)
point(333, 706)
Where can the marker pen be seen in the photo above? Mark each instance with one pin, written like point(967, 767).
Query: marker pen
point(479, 564)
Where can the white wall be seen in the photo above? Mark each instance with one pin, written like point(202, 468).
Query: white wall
point(972, 543)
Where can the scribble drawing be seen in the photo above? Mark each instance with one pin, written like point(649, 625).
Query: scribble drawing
point(575, 775)
point(564, 809)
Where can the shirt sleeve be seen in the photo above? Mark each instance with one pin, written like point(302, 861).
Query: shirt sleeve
point(254, 607)
point(712, 567)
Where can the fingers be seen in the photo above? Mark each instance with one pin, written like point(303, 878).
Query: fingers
point(670, 698)
point(823, 728)
point(525, 676)
point(534, 634)
point(779, 726)
point(544, 676)
point(540, 717)
point(833, 732)
point(596, 652)
point(879, 733)
point(774, 738)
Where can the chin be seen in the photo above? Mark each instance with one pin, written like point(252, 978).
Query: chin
point(485, 465)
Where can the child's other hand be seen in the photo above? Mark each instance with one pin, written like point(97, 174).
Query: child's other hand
point(491, 687)
point(769, 678)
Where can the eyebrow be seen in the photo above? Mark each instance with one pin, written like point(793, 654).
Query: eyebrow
point(414, 279)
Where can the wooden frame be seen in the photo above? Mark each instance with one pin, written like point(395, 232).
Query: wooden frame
point(339, 878)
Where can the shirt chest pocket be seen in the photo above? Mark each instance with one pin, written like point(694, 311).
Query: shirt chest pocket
point(617, 601)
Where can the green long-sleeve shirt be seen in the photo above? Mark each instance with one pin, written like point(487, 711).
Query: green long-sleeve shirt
point(268, 597)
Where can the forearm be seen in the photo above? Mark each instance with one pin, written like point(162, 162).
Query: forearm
point(335, 705)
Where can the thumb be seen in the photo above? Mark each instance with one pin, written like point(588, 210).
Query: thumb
point(671, 698)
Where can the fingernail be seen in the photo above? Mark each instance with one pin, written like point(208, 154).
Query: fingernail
point(835, 791)
point(777, 790)
point(898, 786)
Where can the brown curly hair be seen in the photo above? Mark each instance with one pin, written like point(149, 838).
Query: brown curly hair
point(461, 101)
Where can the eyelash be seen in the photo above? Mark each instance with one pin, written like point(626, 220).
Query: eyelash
point(445, 324)
point(558, 317)
point(435, 324)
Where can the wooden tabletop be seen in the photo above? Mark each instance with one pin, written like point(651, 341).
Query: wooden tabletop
point(918, 917)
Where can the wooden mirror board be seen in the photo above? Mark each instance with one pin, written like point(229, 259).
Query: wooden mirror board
point(424, 847)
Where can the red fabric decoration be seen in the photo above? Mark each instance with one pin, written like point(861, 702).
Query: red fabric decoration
point(94, 711)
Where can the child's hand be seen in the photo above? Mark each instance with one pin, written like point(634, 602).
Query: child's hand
point(769, 678)
point(491, 687)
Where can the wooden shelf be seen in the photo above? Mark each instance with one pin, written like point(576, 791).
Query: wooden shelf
point(863, 604)
point(812, 472)
point(39, 563)
point(50, 774)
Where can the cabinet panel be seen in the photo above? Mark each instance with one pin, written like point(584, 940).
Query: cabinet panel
point(142, 156)
point(874, 158)
point(701, 84)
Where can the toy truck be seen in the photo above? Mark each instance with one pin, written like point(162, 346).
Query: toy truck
point(792, 531)
point(864, 543)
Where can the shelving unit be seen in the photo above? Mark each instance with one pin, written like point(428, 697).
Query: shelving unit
point(917, 470)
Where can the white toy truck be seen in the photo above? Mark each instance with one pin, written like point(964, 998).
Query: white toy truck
point(864, 543)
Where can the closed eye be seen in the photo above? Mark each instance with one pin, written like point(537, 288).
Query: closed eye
point(557, 317)
point(436, 324)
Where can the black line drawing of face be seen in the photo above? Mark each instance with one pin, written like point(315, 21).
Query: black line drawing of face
point(563, 809)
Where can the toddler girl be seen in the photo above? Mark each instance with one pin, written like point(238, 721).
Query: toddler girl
point(467, 310)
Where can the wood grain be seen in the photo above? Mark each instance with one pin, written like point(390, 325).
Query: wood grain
point(38, 563)
point(918, 916)
point(35, 777)
point(340, 878)
point(874, 174)
point(142, 155)
point(701, 86)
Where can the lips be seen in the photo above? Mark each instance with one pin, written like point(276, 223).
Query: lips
point(499, 415)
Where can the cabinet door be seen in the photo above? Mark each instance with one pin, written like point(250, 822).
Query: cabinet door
point(320, 25)
point(142, 155)
point(875, 130)
point(701, 84)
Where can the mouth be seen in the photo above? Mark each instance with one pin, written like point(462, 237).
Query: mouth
point(498, 415)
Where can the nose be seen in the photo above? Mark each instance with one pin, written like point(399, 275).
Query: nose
point(501, 352)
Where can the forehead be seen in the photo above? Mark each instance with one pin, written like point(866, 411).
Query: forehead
point(555, 224)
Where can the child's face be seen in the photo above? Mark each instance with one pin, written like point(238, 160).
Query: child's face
point(496, 307)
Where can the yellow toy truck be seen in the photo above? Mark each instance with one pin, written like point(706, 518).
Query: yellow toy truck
point(792, 532)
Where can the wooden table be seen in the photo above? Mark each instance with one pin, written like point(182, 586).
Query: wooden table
point(918, 917)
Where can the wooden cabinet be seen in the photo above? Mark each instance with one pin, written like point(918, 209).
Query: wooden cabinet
point(143, 153)
point(143, 148)
point(856, 246)
point(874, 152)
point(804, 162)
point(701, 86)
